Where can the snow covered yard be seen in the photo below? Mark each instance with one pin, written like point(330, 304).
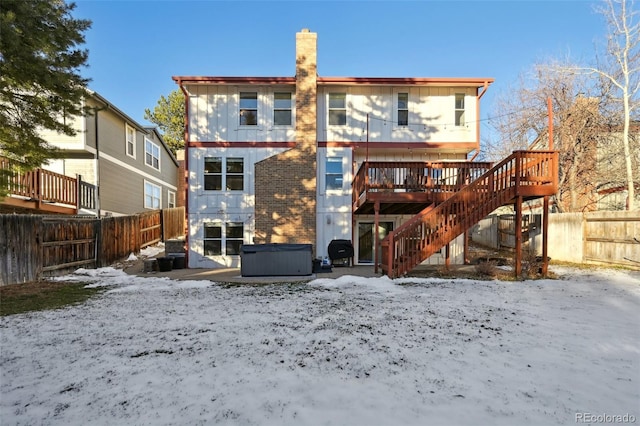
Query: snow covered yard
point(350, 351)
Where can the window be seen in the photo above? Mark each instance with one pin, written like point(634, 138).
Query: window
point(282, 109)
point(234, 234)
point(333, 177)
point(213, 174)
point(151, 196)
point(337, 109)
point(248, 108)
point(214, 240)
point(130, 137)
point(151, 154)
point(231, 180)
point(459, 109)
point(171, 202)
point(403, 109)
point(235, 174)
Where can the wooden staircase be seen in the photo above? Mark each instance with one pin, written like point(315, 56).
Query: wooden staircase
point(524, 175)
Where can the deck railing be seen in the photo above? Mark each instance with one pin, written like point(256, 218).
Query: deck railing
point(524, 173)
point(414, 176)
point(44, 186)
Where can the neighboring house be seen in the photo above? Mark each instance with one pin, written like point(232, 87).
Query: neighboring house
point(278, 159)
point(130, 164)
point(592, 160)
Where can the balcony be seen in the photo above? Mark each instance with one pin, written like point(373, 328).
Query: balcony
point(407, 187)
point(45, 192)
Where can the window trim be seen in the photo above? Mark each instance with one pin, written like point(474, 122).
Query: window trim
point(159, 198)
point(157, 147)
point(127, 127)
point(329, 109)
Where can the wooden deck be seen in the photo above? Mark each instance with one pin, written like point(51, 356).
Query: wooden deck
point(469, 196)
point(407, 187)
point(45, 191)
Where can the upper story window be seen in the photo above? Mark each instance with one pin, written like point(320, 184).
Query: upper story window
point(459, 109)
point(282, 106)
point(232, 179)
point(333, 176)
point(248, 108)
point(403, 109)
point(151, 154)
point(130, 141)
point(337, 109)
point(151, 196)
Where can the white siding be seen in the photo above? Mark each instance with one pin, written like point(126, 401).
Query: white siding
point(213, 115)
point(431, 115)
point(221, 206)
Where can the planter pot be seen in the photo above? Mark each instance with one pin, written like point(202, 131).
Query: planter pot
point(165, 264)
point(178, 260)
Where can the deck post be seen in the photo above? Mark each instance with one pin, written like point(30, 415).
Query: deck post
point(545, 239)
point(518, 230)
point(447, 256)
point(376, 246)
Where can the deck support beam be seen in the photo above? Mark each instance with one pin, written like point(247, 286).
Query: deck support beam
point(376, 247)
point(518, 265)
point(545, 239)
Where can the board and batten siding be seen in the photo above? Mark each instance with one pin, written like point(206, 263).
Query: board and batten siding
point(214, 114)
point(431, 115)
point(221, 206)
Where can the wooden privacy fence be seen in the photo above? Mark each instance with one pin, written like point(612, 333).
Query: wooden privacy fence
point(604, 237)
point(34, 246)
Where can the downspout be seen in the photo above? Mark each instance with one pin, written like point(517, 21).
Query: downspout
point(185, 177)
point(96, 111)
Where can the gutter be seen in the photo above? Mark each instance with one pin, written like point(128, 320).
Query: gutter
point(185, 177)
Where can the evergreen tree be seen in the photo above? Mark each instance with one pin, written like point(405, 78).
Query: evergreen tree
point(168, 114)
point(40, 83)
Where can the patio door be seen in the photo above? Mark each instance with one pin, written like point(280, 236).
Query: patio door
point(367, 240)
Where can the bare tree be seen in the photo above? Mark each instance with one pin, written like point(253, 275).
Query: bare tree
point(521, 122)
point(619, 74)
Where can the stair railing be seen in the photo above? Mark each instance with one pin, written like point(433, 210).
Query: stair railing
point(522, 173)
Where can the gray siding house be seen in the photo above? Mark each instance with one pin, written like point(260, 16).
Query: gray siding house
point(130, 164)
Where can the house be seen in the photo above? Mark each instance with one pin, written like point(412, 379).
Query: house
point(311, 159)
point(130, 164)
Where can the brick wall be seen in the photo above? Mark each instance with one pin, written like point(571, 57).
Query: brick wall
point(286, 183)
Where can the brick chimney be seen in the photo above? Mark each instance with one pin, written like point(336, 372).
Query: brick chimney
point(285, 184)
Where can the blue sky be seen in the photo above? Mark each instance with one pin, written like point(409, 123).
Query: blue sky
point(136, 46)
